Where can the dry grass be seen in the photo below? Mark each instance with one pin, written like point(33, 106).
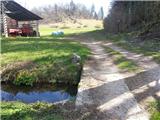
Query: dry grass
point(70, 27)
point(78, 23)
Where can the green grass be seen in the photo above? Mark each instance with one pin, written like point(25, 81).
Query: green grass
point(147, 47)
point(46, 30)
point(154, 109)
point(94, 34)
point(35, 111)
point(51, 58)
point(122, 62)
point(22, 49)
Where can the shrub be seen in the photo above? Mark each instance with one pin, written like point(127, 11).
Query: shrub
point(10, 72)
point(25, 77)
point(85, 26)
point(64, 27)
point(97, 26)
point(68, 75)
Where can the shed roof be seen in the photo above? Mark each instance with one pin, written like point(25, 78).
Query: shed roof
point(17, 12)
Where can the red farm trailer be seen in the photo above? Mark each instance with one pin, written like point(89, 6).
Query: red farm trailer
point(17, 20)
point(25, 30)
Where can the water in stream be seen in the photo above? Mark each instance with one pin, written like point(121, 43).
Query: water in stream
point(43, 93)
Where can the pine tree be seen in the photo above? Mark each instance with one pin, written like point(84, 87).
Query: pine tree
point(72, 7)
point(101, 13)
point(92, 11)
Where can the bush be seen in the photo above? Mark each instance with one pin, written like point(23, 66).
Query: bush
point(64, 27)
point(85, 26)
point(25, 77)
point(68, 75)
point(97, 26)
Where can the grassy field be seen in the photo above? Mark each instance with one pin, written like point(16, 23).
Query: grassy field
point(46, 30)
point(24, 49)
point(69, 28)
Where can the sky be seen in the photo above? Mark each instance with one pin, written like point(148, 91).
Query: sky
point(29, 4)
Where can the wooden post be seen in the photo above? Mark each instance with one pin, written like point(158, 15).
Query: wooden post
point(37, 28)
point(1, 25)
point(4, 22)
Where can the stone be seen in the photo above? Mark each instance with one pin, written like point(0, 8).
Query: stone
point(76, 58)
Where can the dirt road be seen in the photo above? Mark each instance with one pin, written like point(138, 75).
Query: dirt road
point(105, 89)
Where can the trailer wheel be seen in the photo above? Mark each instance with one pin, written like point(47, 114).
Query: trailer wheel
point(34, 33)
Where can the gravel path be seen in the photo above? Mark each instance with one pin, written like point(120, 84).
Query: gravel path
point(103, 88)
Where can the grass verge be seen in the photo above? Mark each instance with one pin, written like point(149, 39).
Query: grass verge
point(46, 111)
point(35, 111)
point(154, 109)
point(148, 47)
point(123, 63)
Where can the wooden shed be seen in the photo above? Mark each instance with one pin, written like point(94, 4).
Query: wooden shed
point(17, 20)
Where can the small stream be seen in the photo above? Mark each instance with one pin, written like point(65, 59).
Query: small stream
point(43, 93)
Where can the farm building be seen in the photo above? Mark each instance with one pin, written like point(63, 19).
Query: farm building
point(17, 20)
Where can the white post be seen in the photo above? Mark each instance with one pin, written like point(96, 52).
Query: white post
point(37, 28)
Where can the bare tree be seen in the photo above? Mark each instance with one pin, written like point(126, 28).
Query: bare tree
point(58, 13)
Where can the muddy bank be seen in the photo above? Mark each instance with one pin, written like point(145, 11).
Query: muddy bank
point(28, 73)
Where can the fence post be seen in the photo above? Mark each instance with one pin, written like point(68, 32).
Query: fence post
point(4, 22)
